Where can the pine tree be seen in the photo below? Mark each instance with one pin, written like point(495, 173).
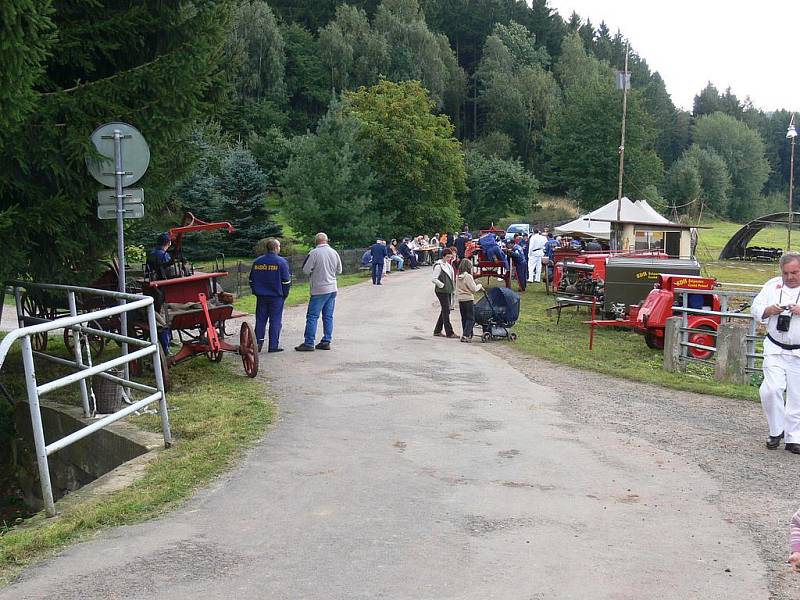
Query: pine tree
point(160, 72)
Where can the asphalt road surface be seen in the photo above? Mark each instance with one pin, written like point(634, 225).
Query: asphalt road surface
point(404, 466)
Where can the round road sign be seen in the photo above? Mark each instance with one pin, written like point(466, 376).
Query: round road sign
point(135, 154)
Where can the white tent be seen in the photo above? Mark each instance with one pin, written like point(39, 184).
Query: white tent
point(589, 225)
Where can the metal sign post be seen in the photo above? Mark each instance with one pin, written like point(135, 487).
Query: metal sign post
point(119, 173)
point(128, 168)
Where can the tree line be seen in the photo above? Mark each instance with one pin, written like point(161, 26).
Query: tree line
point(364, 118)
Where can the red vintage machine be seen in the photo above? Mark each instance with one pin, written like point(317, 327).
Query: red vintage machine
point(488, 268)
point(196, 308)
point(650, 318)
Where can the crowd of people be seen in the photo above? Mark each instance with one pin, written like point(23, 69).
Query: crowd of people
point(776, 307)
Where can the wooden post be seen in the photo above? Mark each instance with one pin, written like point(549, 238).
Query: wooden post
point(731, 356)
point(672, 345)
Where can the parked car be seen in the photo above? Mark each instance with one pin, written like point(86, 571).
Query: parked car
point(517, 228)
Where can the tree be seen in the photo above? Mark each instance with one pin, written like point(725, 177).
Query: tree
point(743, 152)
point(698, 181)
point(582, 143)
point(257, 44)
point(227, 185)
point(26, 35)
point(413, 154)
point(415, 52)
point(161, 73)
point(307, 83)
point(497, 188)
point(328, 184)
point(518, 94)
point(353, 53)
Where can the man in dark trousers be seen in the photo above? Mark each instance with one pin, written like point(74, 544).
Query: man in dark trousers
point(379, 254)
point(408, 256)
point(270, 280)
point(461, 246)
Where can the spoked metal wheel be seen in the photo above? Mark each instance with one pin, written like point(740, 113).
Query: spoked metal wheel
point(486, 337)
point(31, 307)
point(248, 349)
point(96, 342)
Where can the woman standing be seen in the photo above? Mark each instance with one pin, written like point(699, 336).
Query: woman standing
point(465, 294)
point(444, 280)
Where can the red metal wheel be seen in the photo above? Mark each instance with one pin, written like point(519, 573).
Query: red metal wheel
point(248, 349)
point(706, 338)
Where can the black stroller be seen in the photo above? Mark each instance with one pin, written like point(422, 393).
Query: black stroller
point(496, 312)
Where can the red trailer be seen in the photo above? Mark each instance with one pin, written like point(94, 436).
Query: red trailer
point(650, 318)
point(195, 307)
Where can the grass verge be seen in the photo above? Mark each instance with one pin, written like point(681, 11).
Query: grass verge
point(215, 414)
point(623, 353)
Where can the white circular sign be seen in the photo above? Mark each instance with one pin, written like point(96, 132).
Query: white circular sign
point(135, 154)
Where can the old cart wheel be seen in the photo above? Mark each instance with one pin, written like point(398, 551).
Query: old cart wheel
point(248, 350)
point(33, 308)
point(96, 342)
point(706, 338)
point(512, 337)
point(486, 337)
point(653, 341)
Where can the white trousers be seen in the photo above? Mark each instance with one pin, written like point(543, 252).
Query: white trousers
point(535, 266)
point(782, 373)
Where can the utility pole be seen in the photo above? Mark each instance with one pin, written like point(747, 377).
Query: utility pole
point(624, 79)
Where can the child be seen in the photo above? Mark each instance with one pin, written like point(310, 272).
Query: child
point(465, 290)
point(794, 541)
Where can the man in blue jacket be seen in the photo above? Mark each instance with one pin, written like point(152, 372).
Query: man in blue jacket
point(270, 280)
point(492, 250)
point(379, 254)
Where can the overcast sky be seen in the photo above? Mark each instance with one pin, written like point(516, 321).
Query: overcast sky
point(753, 47)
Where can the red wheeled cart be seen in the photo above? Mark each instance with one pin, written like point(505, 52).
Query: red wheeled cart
point(195, 313)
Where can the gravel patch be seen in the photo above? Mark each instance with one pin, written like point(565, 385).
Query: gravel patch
point(724, 437)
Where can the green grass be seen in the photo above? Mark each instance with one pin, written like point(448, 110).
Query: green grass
point(623, 353)
point(215, 413)
point(298, 294)
point(617, 352)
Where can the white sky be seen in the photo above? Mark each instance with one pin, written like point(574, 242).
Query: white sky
point(753, 47)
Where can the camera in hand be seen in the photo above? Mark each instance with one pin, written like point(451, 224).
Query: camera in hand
point(784, 322)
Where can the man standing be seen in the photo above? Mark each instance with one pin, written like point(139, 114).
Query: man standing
point(270, 280)
point(322, 265)
point(535, 253)
point(520, 262)
point(778, 306)
point(379, 254)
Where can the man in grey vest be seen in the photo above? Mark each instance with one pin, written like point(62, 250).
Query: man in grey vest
point(322, 265)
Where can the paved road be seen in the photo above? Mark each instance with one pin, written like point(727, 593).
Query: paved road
point(406, 466)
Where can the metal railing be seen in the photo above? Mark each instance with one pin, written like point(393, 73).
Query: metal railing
point(725, 315)
point(32, 325)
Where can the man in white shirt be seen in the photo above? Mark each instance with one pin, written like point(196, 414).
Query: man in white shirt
point(535, 253)
point(778, 307)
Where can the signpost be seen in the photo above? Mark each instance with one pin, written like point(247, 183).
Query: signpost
point(117, 169)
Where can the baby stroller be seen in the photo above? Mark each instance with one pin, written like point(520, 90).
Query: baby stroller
point(496, 312)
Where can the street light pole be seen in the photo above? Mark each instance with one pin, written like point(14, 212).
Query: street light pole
point(791, 134)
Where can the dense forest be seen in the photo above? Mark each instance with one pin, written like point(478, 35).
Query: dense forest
point(359, 118)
